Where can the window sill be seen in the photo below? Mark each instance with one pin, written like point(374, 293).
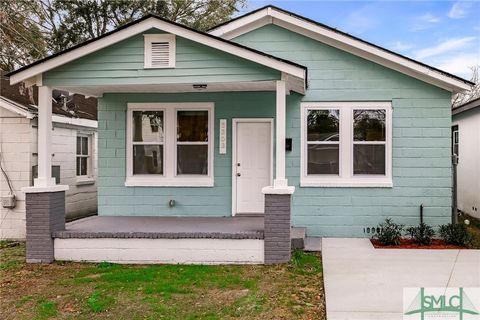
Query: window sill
point(169, 182)
point(83, 181)
point(373, 183)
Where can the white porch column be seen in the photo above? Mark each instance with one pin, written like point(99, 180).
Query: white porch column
point(44, 138)
point(280, 127)
point(45, 201)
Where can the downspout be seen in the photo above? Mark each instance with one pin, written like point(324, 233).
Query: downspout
point(454, 189)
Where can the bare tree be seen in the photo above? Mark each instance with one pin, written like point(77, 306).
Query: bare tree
point(466, 96)
point(32, 29)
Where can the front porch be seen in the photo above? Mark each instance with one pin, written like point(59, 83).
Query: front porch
point(189, 139)
point(187, 240)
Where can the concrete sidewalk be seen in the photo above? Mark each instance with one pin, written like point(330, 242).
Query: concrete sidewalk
point(362, 282)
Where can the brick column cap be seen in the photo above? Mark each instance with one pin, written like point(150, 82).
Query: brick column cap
point(55, 188)
point(282, 190)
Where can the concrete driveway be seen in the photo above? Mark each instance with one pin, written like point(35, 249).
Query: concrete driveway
point(362, 282)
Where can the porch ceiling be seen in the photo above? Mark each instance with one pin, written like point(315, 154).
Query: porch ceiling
point(292, 83)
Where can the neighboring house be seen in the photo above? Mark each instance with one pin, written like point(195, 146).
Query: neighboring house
point(466, 144)
point(74, 124)
point(266, 107)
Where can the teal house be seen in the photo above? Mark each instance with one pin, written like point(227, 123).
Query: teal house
point(211, 146)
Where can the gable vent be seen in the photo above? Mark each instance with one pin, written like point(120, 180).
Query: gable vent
point(160, 54)
point(159, 51)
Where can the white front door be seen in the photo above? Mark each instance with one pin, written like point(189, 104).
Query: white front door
point(252, 165)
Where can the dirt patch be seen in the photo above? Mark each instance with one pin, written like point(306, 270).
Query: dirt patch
point(410, 244)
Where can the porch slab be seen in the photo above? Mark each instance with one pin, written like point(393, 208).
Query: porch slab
point(164, 228)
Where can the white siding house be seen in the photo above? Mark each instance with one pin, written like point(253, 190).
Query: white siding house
point(466, 142)
point(18, 156)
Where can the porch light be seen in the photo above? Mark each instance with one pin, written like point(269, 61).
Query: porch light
point(199, 86)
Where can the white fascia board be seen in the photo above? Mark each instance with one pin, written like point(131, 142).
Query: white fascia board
point(75, 121)
point(241, 23)
point(345, 43)
point(15, 108)
point(164, 26)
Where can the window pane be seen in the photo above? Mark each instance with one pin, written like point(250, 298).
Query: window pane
point(322, 125)
point(148, 159)
point(192, 159)
point(323, 159)
point(369, 125)
point(368, 159)
point(83, 171)
point(79, 144)
point(84, 146)
point(192, 126)
point(147, 126)
point(78, 166)
point(82, 166)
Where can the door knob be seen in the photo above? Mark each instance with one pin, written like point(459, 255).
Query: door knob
point(238, 174)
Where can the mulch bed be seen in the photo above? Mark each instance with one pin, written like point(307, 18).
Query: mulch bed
point(410, 244)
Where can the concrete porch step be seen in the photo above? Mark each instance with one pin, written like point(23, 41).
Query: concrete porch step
point(297, 235)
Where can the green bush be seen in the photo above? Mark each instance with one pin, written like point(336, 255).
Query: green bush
point(456, 234)
point(421, 234)
point(390, 233)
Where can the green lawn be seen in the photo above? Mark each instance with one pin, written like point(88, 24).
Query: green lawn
point(110, 291)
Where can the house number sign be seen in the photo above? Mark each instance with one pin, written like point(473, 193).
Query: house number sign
point(223, 136)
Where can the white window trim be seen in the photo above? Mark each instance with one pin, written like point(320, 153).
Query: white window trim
point(148, 39)
point(89, 178)
point(170, 177)
point(346, 178)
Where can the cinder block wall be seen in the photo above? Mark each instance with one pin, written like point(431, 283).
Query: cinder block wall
point(421, 138)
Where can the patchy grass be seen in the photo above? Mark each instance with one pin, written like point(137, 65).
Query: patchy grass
point(110, 291)
point(473, 229)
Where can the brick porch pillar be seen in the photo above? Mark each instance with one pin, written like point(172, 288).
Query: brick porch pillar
point(277, 224)
point(45, 212)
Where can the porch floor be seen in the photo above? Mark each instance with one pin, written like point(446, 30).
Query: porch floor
point(164, 227)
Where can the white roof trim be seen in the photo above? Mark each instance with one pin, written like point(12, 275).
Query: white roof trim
point(341, 41)
point(19, 109)
point(79, 122)
point(15, 108)
point(147, 24)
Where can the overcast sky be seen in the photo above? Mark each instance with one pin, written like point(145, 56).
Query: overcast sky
point(444, 34)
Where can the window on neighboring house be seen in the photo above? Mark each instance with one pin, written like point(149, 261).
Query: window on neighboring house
point(169, 144)
point(455, 140)
point(159, 51)
point(346, 144)
point(83, 165)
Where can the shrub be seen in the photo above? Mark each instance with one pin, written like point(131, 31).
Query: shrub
point(421, 234)
point(456, 234)
point(390, 233)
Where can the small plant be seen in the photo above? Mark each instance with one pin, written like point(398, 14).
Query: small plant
point(421, 234)
point(456, 234)
point(390, 233)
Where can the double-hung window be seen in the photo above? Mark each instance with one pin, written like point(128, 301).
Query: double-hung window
point(84, 168)
point(346, 144)
point(170, 144)
point(83, 156)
